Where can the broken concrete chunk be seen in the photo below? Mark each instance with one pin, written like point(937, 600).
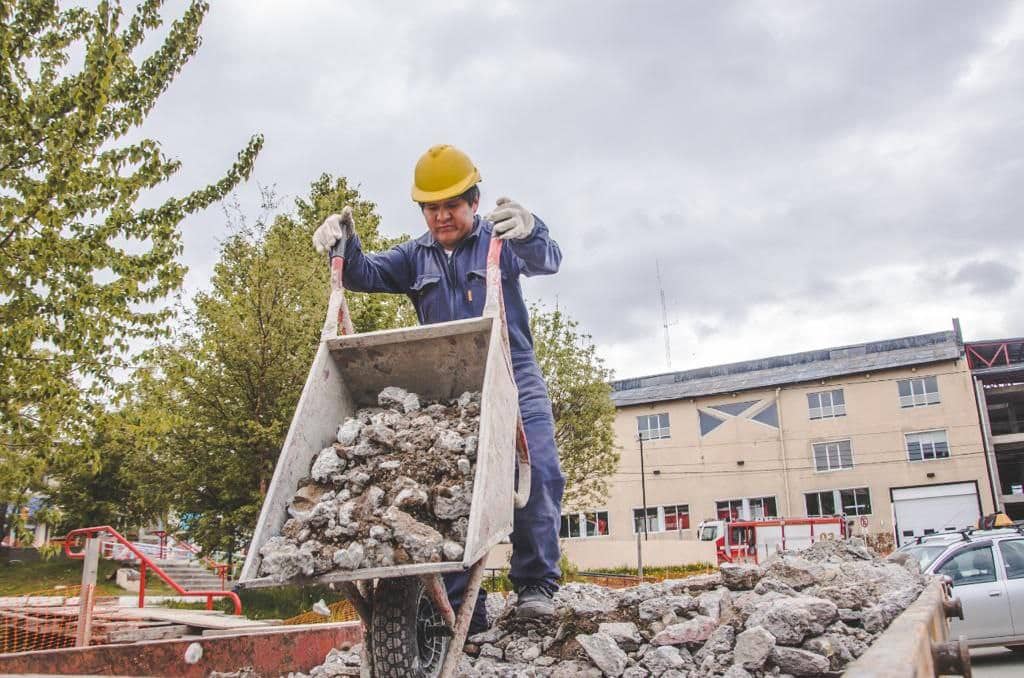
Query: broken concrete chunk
point(602, 650)
point(753, 647)
point(392, 396)
point(420, 541)
point(452, 551)
point(454, 502)
point(328, 466)
point(283, 559)
point(349, 558)
point(450, 441)
point(348, 432)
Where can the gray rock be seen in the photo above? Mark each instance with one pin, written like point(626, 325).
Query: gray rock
point(464, 466)
point(420, 541)
point(452, 551)
point(328, 466)
point(736, 671)
point(410, 497)
point(585, 599)
point(283, 559)
point(471, 445)
point(604, 653)
point(769, 585)
point(799, 662)
point(791, 620)
point(349, 558)
point(692, 631)
point(575, 669)
point(625, 634)
point(492, 651)
point(753, 647)
point(793, 571)
point(451, 442)
point(392, 396)
point(348, 432)
point(656, 608)
point(716, 604)
point(740, 576)
point(522, 651)
point(694, 584)
point(456, 504)
point(665, 658)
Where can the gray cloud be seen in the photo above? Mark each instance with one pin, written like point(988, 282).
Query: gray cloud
point(987, 277)
point(798, 170)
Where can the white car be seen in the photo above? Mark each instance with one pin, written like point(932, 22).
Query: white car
point(987, 569)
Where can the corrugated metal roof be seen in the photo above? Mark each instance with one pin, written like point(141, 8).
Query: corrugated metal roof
point(788, 369)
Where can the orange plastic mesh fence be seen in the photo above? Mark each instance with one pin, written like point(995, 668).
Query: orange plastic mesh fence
point(340, 611)
point(40, 620)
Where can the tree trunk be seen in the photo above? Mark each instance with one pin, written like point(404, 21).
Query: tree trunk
point(3, 520)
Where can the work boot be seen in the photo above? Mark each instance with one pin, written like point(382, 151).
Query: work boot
point(534, 601)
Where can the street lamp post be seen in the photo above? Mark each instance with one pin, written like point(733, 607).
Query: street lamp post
point(643, 482)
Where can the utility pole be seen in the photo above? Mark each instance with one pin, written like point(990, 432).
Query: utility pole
point(664, 316)
point(643, 481)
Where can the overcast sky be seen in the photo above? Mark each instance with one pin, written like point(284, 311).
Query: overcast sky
point(807, 174)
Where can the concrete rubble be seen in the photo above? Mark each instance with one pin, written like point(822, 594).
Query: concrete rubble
point(394, 489)
point(802, 613)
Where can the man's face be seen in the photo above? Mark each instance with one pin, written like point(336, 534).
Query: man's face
point(449, 221)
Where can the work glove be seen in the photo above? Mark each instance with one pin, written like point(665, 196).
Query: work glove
point(511, 220)
point(337, 227)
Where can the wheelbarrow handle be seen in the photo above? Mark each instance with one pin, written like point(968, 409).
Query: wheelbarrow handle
point(338, 321)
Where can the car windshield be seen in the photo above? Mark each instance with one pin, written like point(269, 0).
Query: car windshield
point(925, 555)
point(708, 533)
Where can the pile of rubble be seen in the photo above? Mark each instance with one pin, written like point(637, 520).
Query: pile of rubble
point(802, 613)
point(394, 489)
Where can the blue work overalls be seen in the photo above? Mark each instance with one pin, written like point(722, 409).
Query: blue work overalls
point(443, 289)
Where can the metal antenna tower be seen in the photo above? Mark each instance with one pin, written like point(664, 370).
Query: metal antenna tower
point(664, 316)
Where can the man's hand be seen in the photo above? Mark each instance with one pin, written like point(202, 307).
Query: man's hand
point(511, 220)
point(335, 227)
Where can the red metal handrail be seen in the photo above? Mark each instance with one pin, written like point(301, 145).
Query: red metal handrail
point(144, 563)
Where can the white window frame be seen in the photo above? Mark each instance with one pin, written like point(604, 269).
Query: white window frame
point(660, 524)
point(823, 411)
point(659, 432)
point(828, 460)
point(919, 396)
point(581, 516)
point(837, 501)
point(746, 506)
point(934, 457)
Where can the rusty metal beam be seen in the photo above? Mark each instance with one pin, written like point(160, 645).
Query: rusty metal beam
point(274, 652)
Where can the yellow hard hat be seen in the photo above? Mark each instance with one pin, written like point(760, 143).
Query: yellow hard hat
point(443, 172)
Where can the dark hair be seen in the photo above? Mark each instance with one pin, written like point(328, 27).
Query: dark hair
point(470, 195)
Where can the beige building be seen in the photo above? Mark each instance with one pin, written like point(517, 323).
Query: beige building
point(886, 433)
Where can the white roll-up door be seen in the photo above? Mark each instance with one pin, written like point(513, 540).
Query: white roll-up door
point(930, 509)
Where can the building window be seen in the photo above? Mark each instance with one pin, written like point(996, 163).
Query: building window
point(652, 426)
point(820, 504)
point(677, 517)
point(586, 524)
point(852, 502)
point(826, 404)
point(662, 518)
point(927, 445)
point(833, 456)
point(856, 501)
point(919, 392)
point(748, 508)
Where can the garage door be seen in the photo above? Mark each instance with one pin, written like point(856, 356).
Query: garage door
point(934, 508)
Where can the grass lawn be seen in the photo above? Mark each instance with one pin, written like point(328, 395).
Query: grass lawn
point(31, 577)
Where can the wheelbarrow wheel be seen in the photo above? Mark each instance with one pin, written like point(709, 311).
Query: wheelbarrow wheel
point(408, 635)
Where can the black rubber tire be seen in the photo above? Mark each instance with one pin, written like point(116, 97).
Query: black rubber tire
point(399, 645)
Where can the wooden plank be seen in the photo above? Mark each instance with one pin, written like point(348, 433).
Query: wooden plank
point(155, 633)
point(90, 564)
point(324, 403)
point(195, 618)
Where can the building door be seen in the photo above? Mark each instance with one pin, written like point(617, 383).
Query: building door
point(929, 509)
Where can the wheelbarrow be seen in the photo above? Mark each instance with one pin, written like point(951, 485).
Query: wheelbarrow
point(410, 627)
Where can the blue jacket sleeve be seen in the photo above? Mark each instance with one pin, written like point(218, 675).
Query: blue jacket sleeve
point(538, 254)
point(388, 271)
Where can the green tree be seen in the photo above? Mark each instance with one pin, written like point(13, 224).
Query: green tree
point(581, 402)
point(228, 387)
point(83, 266)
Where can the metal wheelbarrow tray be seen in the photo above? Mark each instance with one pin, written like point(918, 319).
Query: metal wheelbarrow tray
point(405, 605)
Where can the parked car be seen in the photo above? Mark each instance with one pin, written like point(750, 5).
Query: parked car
point(987, 569)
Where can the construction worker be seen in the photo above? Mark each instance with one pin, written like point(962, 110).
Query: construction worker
point(443, 273)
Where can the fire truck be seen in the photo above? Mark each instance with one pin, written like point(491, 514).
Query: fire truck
point(738, 541)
